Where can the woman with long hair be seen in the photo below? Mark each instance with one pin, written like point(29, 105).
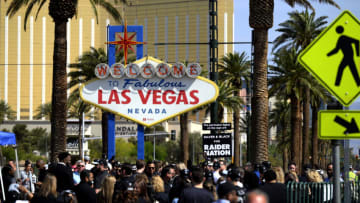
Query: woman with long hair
point(280, 177)
point(106, 192)
point(159, 190)
point(140, 187)
point(47, 192)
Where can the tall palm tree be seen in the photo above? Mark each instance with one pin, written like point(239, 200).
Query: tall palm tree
point(235, 68)
point(43, 111)
point(280, 117)
point(60, 11)
point(261, 20)
point(299, 31)
point(289, 81)
point(6, 111)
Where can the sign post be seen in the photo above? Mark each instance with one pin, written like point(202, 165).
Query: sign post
point(332, 58)
point(125, 42)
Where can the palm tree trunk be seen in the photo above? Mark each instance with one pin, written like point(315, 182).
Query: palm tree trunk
point(80, 137)
point(104, 132)
point(237, 138)
point(184, 138)
point(314, 130)
point(259, 101)
point(295, 129)
point(59, 92)
point(306, 128)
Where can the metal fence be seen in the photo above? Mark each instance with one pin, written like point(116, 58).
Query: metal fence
point(306, 192)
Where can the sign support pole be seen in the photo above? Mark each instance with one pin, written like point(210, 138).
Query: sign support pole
point(140, 144)
point(111, 136)
point(336, 168)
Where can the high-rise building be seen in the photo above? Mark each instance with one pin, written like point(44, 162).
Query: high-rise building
point(26, 56)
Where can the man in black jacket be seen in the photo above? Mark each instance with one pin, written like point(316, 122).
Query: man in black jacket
point(84, 192)
point(62, 172)
point(275, 191)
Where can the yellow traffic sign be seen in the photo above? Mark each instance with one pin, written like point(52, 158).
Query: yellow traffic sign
point(339, 124)
point(333, 58)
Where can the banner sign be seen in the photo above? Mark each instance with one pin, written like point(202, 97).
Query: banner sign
point(149, 91)
point(216, 126)
point(217, 145)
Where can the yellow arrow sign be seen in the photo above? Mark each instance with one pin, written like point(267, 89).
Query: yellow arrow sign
point(339, 124)
point(333, 58)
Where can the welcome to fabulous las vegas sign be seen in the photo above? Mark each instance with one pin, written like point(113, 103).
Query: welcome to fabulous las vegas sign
point(149, 91)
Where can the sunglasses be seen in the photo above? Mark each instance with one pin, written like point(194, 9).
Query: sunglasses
point(151, 167)
point(80, 166)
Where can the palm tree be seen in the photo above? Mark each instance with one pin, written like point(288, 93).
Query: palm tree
point(60, 11)
point(6, 112)
point(289, 80)
point(280, 117)
point(235, 69)
point(261, 20)
point(43, 111)
point(299, 31)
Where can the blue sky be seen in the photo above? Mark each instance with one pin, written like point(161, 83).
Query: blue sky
point(243, 30)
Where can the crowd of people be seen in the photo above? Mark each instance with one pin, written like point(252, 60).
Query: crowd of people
point(105, 181)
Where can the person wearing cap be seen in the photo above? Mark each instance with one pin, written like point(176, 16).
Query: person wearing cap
point(227, 193)
point(352, 176)
point(275, 191)
point(235, 176)
point(101, 175)
point(63, 173)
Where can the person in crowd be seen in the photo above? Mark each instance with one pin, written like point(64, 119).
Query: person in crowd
point(8, 173)
point(167, 175)
point(12, 164)
point(80, 166)
point(209, 186)
point(351, 175)
point(101, 174)
point(84, 191)
point(140, 166)
point(236, 177)
point(96, 169)
point(251, 180)
point(141, 190)
point(88, 165)
point(292, 175)
point(26, 177)
point(180, 183)
point(216, 173)
point(126, 180)
point(106, 192)
point(280, 177)
point(276, 192)
point(159, 192)
point(47, 192)
point(330, 172)
point(227, 193)
point(62, 172)
point(313, 176)
point(303, 177)
point(257, 196)
point(40, 165)
point(196, 193)
point(150, 169)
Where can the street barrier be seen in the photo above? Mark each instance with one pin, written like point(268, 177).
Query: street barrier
point(307, 192)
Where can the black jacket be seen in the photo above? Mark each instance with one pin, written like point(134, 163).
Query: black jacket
point(85, 193)
point(64, 176)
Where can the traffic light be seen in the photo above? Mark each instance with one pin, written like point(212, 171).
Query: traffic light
point(173, 134)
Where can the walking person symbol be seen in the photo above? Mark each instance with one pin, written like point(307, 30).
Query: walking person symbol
point(344, 44)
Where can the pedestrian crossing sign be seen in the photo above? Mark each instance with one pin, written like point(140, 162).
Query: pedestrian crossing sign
point(333, 58)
